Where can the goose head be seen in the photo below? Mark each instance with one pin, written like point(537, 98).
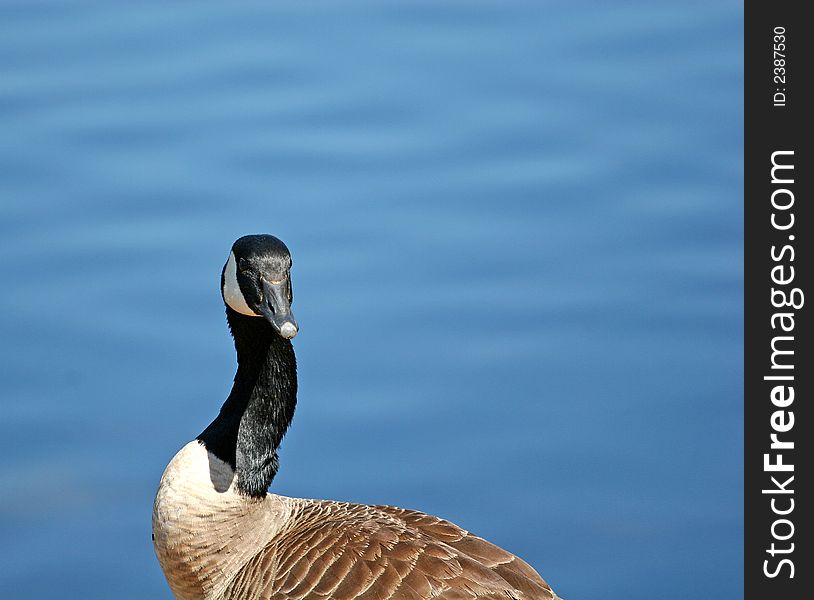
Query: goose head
point(256, 282)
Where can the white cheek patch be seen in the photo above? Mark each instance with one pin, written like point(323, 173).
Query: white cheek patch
point(231, 289)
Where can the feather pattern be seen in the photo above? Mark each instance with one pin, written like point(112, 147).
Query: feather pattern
point(224, 545)
point(349, 551)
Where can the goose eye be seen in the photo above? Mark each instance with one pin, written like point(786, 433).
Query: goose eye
point(242, 264)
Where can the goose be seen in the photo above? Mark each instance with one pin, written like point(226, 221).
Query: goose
point(219, 534)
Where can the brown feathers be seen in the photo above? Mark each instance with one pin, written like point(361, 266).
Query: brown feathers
point(347, 551)
point(217, 544)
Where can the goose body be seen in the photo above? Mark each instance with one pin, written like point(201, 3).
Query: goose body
point(219, 534)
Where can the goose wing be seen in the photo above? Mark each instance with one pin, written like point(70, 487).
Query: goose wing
point(342, 551)
point(514, 570)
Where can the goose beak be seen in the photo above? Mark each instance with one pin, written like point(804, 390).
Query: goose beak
point(277, 309)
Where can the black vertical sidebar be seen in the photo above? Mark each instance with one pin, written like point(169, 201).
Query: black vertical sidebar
point(779, 438)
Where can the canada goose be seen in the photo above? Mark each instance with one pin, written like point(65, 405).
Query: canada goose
point(219, 534)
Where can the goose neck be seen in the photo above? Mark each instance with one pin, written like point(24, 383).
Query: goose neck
point(247, 432)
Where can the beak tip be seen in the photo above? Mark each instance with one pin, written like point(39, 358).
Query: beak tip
point(288, 330)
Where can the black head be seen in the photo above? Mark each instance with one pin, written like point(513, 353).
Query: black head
point(256, 281)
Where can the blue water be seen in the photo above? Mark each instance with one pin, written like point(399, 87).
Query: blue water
point(517, 240)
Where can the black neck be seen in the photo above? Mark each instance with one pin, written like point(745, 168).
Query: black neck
point(260, 406)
